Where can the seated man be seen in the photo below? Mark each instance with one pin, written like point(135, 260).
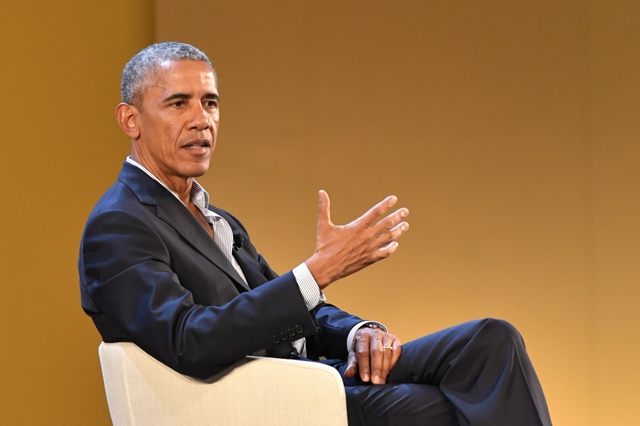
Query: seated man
point(180, 278)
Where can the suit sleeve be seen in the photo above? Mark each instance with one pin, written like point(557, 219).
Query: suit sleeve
point(334, 324)
point(129, 288)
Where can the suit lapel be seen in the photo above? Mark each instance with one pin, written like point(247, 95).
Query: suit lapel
point(170, 210)
point(181, 219)
point(250, 268)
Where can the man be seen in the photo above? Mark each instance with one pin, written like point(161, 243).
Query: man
point(162, 268)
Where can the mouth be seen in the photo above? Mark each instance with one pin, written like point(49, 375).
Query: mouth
point(202, 143)
point(198, 147)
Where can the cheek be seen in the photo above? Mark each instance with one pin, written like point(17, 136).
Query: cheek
point(170, 133)
point(214, 126)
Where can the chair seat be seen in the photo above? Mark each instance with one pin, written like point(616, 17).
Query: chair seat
point(256, 391)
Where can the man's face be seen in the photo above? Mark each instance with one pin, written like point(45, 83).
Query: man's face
point(177, 120)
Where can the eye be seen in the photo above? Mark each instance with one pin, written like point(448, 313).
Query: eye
point(211, 104)
point(178, 103)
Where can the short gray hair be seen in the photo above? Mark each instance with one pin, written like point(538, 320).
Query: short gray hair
point(139, 68)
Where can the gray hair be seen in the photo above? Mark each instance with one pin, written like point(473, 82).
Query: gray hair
point(139, 69)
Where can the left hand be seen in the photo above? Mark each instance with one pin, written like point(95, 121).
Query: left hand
point(373, 355)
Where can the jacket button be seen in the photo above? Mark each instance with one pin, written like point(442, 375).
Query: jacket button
point(291, 332)
point(276, 338)
point(284, 336)
point(299, 329)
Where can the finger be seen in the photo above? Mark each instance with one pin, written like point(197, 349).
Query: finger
point(387, 352)
point(387, 250)
point(375, 213)
point(400, 229)
point(387, 241)
point(392, 222)
point(352, 366)
point(394, 233)
point(397, 351)
point(363, 358)
point(377, 359)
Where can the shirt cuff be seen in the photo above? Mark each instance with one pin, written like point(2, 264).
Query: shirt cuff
point(308, 286)
point(352, 334)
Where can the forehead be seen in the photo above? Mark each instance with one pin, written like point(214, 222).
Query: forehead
point(184, 76)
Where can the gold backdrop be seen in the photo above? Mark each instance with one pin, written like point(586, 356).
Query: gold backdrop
point(509, 129)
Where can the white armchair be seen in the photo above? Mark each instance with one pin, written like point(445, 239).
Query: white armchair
point(266, 391)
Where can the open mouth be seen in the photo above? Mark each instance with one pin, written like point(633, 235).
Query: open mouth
point(198, 144)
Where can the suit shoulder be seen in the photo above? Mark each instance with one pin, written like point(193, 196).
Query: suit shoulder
point(118, 197)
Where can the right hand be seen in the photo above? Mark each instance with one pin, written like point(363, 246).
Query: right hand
point(342, 250)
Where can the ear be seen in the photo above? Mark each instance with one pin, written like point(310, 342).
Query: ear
point(127, 117)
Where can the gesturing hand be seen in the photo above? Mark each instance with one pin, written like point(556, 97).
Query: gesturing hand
point(342, 250)
point(373, 355)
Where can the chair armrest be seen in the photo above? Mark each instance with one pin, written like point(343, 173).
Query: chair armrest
point(268, 391)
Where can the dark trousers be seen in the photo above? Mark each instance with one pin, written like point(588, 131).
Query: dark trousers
point(477, 373)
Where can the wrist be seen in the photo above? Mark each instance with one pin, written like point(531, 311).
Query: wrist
point(316, 270)
point(364, 324)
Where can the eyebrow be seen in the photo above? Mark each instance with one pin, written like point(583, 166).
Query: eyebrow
point(212, 96)
point(184, 96)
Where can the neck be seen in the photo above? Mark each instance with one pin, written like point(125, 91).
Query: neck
point(179, 185)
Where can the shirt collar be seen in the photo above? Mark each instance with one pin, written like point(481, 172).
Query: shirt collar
point(198, 195)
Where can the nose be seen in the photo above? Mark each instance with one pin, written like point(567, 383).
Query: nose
point(200, 120)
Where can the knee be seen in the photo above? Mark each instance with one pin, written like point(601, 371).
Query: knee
point(502, 331)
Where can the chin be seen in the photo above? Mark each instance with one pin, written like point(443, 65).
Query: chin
point(197, 172)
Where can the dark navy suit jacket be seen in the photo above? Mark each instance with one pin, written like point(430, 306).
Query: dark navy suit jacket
point(150, 274)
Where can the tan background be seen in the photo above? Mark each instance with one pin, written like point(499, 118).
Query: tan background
point(509, 129)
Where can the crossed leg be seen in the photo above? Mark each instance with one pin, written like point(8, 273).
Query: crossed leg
point(477, 373)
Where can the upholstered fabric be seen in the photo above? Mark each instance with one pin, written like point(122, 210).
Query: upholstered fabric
point(256, 391)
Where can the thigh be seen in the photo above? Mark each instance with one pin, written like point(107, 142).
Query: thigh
point(399, 405)
point(428, 359)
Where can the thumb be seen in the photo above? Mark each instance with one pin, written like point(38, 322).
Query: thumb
point(352, 366)
point(324, 208)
